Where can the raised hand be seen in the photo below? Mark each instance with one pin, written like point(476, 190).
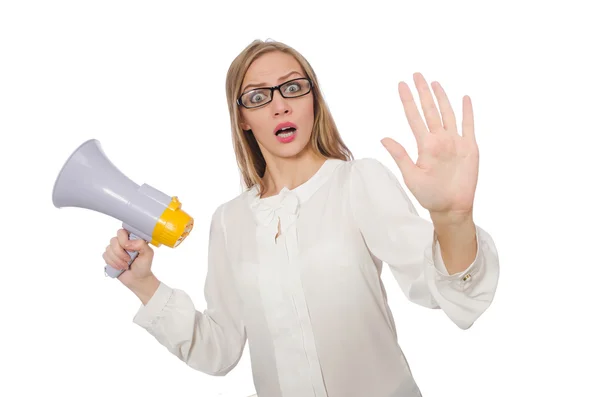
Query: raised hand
point(444, 177)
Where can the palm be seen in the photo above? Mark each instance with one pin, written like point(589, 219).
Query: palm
point(444, 177)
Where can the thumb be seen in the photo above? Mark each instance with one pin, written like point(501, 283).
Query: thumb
point(400, 156)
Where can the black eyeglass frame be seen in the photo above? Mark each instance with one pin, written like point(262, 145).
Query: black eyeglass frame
point(272, 89)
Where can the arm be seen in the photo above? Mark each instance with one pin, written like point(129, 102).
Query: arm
point(211, 341)
point(397, 235)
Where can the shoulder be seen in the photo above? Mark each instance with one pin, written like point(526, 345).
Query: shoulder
point(235, 203)
point(372, 177)
point(228, 215)
point(368, 169)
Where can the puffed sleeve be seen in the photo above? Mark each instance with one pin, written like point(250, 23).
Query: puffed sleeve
point(211, 341)
point(398, 236)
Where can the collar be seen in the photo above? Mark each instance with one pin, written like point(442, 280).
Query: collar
point(288, 201)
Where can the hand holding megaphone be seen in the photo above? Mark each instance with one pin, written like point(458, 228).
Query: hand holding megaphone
point(121, 252)
point(89, 180)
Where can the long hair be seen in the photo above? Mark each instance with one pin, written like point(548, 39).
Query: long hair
point(325, 138)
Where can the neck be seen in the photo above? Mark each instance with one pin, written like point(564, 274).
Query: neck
point(290, 172)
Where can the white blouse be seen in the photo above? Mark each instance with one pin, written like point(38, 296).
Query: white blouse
point(310, 302)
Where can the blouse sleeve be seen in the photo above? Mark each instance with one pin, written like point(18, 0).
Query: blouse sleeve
point(398, 236)
point(211, 341)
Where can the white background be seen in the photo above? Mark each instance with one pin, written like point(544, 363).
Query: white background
point(147, 79)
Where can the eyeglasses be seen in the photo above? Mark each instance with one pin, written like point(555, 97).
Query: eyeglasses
point(261, 96)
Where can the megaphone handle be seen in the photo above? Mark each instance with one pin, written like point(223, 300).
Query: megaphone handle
point(114, 273)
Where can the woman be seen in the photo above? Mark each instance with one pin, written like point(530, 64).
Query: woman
point(294, 261)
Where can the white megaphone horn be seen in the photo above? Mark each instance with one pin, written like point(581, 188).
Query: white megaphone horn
point(89, 180)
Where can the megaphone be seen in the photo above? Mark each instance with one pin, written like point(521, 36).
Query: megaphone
point(89, 180)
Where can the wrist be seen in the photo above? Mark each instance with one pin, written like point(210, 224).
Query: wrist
point(144, 288)
point(454, 228)
point(457, 237)
point(451, 219)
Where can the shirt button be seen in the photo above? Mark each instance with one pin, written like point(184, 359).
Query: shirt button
point(467, 277)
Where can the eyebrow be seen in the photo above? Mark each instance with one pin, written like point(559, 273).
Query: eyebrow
point(265, 84)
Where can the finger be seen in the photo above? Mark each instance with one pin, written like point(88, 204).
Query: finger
point(468, 123)
point(399, 155)
point(118, 251)
point(430, 110)
point(415, 121)
point(114, 261)
point(122, 260)
point(140, 246)
point(123, 237)
point(448, 117)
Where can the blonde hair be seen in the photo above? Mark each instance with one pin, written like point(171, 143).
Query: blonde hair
point(325, 139)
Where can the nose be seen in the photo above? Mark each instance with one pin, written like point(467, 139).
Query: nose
point(279, 104)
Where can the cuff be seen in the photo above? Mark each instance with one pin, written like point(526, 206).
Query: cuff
point(147, 315)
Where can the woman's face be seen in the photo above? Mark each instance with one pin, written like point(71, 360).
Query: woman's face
point(269, 70)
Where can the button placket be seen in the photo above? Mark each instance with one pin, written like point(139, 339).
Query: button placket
point(299, 299)
point(283, 295)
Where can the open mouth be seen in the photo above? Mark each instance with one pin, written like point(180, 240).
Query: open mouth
point(285, 132)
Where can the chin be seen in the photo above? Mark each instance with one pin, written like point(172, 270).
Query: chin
point(293, 149)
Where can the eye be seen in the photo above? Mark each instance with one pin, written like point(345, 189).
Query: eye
point(292, 87)
point(258, 97)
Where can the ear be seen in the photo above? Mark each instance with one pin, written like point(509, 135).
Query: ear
point(245, 126)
